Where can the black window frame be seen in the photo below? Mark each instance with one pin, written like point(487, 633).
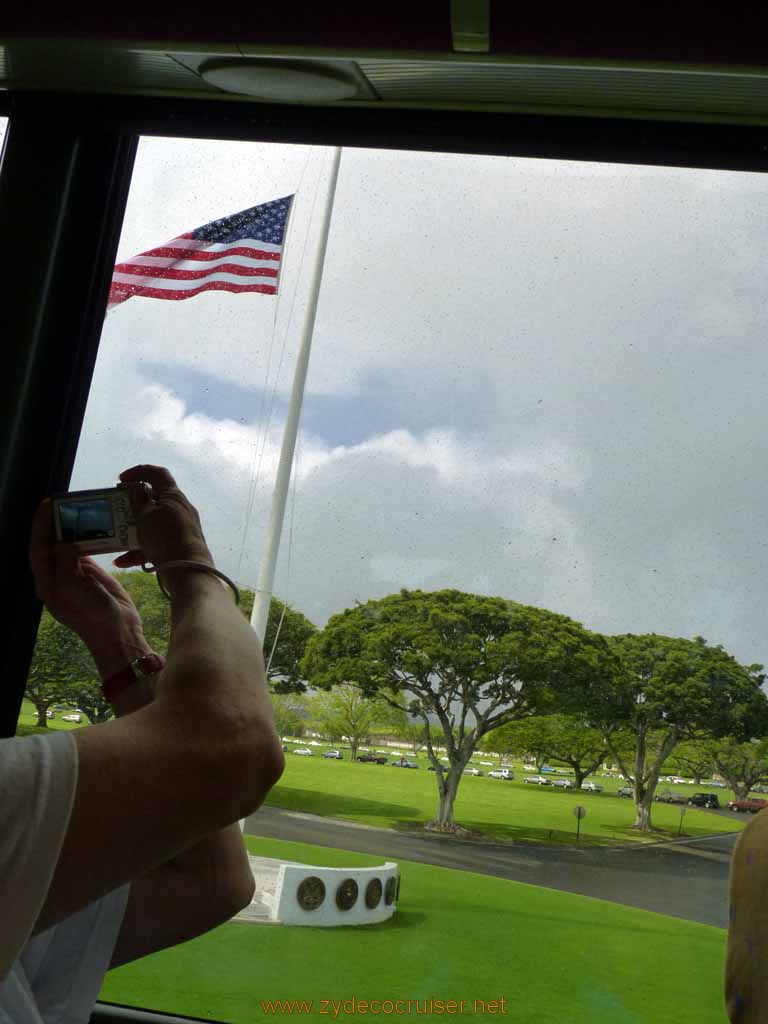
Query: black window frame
point(76, 152)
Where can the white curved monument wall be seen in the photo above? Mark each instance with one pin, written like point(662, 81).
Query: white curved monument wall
point(328, 897)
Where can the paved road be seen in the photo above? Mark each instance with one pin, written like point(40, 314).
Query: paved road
point(686, 879)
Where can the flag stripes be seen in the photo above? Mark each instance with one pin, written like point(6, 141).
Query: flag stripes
point(238, 253)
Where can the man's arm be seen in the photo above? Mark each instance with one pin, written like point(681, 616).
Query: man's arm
point(198, 889)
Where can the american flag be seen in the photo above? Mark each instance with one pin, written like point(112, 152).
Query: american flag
point(239, 253)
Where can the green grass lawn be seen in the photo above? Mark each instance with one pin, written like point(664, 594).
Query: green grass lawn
point(28, 721)
point(556, 958)
point(402, 798)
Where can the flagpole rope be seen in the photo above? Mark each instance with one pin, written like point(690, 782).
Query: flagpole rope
point(261, 439)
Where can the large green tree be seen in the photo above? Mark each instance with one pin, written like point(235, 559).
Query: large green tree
point(742, 765)
point(670, 690)
point(692, 757)
point(568, 739)
point(291, 712)
point(526, 737)
point(461, 663)
point(344, 713)
point(60, 663)
point(291, 627)
point(293, 631)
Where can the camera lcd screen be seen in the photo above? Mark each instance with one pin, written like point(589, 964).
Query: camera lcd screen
point(86, 520)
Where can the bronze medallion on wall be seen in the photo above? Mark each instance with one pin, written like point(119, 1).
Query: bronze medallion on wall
point(311, 893)
point(373, 893)
point(389, 891)
point(346, 894)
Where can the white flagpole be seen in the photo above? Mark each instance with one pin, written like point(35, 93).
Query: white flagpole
point(266, 578)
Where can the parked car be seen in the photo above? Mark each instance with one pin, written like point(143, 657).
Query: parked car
point(547, 769)
point(501, 773)
point(71, 718)
point(704, 800)
point(403, 762)
point(564, 784)
point(372, 758)
point(759, 789)
point(563, 771)
point(671, 798)
point(717, 785)
point(625, 791)
point(304, 751)
point(747, 806)
point(538, 780)
point(529, 767)
point(471, 770)
point(335, 755)
point(50, 714)
point(592, 787)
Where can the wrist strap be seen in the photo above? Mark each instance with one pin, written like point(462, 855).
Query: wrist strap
point(187, 564)
point(147, 665)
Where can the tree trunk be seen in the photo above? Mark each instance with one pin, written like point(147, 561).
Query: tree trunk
point(448, 789)
point(643, 795)
point(643, 813)
point(42, 718)
point(353, 748)
point(741, 790)
point(580, 776)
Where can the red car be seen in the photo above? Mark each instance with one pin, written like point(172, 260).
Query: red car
point(749, 806)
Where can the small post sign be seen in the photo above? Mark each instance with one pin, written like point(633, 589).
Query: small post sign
point(580, 812)
point(682, 815)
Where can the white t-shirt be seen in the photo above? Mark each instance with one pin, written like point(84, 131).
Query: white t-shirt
point(56, 975)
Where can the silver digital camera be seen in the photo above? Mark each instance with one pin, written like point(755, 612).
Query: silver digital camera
point(96, 522)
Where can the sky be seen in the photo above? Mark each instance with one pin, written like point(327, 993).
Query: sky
point(535, 379)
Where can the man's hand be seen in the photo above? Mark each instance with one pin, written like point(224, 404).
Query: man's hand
point(84, 597)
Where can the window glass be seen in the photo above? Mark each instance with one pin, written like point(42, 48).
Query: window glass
point(530, 380)
point(3, 129)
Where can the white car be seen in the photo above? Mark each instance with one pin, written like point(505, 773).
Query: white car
point(304, 751)
point(564, 783)
point(71, 718)
point(471, 770)
point(538, 780)
point(592, 787)
point(501, 773)
point(529, 768)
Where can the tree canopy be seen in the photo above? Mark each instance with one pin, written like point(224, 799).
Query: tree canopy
point(295, 629)
point(672, 689)
point(565, 738)
point(742, 765)
point(472, 662)
point(344, 713)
